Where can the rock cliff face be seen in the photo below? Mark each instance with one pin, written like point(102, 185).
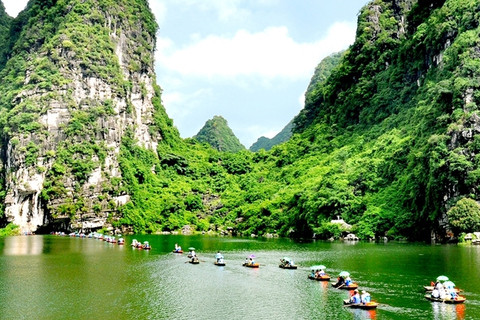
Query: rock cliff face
point(80, 79)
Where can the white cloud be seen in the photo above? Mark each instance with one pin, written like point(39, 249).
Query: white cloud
point(13, 7)
point(271, 53)
point(225, 10)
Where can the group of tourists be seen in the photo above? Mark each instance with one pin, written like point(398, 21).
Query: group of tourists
point(444, 291)
point(285, 262)
point(138, 245)
point(343, 281)
point(318, 273)
point(356, 298)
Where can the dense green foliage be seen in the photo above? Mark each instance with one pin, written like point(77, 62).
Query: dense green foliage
point(218, 134)
point(388, 139)
point(5, 21)
point(267, 143)
point(10, 230)
point(464, 216)
point(387, 142)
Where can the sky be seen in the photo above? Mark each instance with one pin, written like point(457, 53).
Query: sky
point(249, 61)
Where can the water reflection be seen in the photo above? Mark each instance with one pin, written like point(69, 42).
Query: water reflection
point(62, 277)
point(444, 311)
point(23, 246)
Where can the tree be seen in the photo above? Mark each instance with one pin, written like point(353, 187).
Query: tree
point(464, 216)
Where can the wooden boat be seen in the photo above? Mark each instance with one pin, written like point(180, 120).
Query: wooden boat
point(457, 300)
point(179, 251)
point(287, 266)
point(352, 286)
point(430, 289)
point(251, 265)
point(220, 264)
point(320, 278)
point(365, 306)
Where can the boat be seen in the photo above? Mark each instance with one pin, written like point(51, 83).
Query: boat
point(251, 265)
point(121, 241)
point(457, 300)
point(287, 263)
point(352, 286)
point(430, 289)
point(194, 261)
point(146, 246)
point(219, 260)
point(177, 251)
point(366, 306)
point(319, 278)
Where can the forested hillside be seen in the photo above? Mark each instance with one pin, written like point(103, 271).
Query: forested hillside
point(218, 134)
point(5, 21)
point(267, 143)
point(389, 141)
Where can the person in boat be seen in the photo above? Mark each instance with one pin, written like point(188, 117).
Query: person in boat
point(340, 282)
point(246, 260)
point(450, 292)
point(314, 273)
point(438, 285)
point(355, 297)
point(435, 293)
point(290, 263)
point(365, 297)
point(348, 281)
point(321, 272)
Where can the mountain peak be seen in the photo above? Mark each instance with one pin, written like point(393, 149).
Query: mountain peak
point(218, 134)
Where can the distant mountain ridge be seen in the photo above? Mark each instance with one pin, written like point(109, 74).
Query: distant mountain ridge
point(267, 143)
point(218, 134)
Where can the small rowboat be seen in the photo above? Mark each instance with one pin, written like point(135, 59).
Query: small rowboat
point(352, 286)
point(251, 265)
point(365, 306)
point(320, 278)
point(283, 266)
point(430, 289)
point(194, 261)
point(179, 251)
point(457, 300)
point(220, 264)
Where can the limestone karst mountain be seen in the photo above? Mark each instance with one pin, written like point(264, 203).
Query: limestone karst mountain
point(388, 142)
point(78, 80)
point(218, 134)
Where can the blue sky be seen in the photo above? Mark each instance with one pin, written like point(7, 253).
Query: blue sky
point(249, 61)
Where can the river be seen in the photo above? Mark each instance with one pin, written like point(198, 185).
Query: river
point(51, 277)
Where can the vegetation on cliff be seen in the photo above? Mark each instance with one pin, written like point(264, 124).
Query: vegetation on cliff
point(218, 134)
point(267, 143)
point(389, 140)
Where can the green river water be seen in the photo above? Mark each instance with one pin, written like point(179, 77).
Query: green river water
point(51, 277)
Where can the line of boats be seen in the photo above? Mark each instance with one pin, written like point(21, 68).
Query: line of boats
point(442, 290)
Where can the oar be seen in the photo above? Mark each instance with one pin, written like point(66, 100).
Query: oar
point(343, 284)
